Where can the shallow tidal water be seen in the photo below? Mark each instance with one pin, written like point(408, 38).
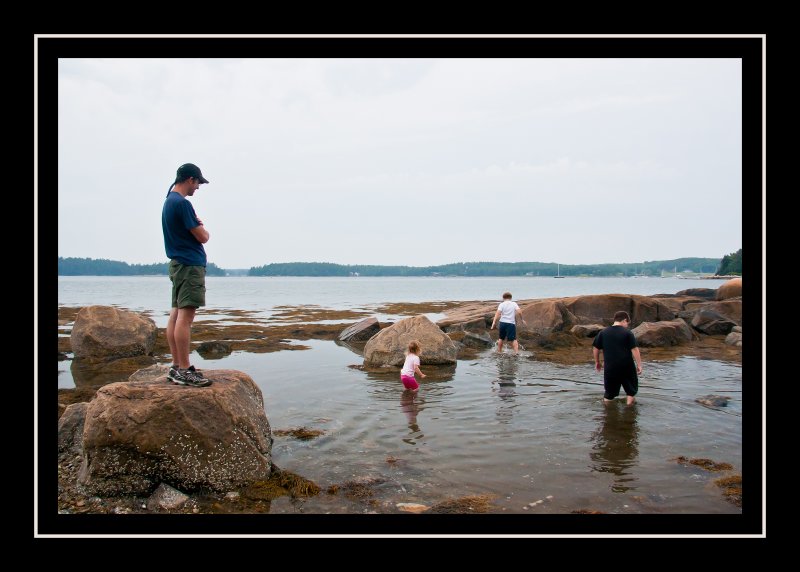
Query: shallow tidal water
point(533, 435)
point(512, 427)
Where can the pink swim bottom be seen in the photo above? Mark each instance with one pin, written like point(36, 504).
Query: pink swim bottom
point(409, 382)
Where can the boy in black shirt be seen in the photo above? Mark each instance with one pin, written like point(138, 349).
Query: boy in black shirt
point(618, 345)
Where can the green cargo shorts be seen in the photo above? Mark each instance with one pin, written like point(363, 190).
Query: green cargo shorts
point(188, 285)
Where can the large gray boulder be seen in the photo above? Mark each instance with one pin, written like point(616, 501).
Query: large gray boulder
point(730, 308)
point(586, 330)
point(388, 346)
point(109, 333)
point(360, 331)
point(678, 303)
point(473, 316)
point(663, 333)
point(546, 316)
point(730, 289)
point(477, 340)
point(138, 434)
point(600, 308)
point(553, 315)
point(712, 323)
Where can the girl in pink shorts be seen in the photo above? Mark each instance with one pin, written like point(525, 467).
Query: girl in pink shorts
point(411, 367)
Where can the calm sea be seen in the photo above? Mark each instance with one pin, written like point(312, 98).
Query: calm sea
point(518, 429)
point(262, 294)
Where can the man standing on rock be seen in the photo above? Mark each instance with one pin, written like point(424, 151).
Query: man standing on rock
point(507, 313)
point(184, 236)
point(623, 361)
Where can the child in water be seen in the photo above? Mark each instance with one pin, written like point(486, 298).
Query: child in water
point(411, 366)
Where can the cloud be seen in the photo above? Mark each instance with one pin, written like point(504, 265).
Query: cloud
point(371, 160)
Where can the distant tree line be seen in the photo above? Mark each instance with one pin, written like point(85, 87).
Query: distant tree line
point(104, 267)
point(731, 264)
point(650, 268)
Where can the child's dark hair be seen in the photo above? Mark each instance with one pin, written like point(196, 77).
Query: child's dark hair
point(413, 347)
point(506, 295)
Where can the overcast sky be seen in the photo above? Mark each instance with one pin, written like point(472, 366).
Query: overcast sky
point(404, 161)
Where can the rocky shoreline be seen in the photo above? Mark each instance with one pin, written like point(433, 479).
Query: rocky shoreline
point(559, 330)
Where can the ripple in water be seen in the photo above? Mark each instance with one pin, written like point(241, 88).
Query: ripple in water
point(519, 429)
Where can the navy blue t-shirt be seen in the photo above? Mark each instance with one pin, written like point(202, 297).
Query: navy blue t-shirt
point(177, 220)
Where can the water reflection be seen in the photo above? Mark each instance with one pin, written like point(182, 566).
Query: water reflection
point(411, 406)
point(355, 347)
point(616, 444)
point(507, 371)
point(507, 367)
point(433, 374)
point(94, 372)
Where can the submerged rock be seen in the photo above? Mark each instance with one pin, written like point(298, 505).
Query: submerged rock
point(713, 400)
point(166, 497)
point(707, 464)
point(214, 350)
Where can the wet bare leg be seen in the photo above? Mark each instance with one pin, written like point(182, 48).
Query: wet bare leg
point(631, 400)
point(515, 345)
point(499, 346)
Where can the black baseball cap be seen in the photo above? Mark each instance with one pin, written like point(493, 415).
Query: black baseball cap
point(189, 170)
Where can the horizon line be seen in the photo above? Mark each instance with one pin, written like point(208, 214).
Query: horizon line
point(406, 265)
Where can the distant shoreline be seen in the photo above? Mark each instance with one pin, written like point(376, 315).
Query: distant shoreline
point(581, 276)
point(688, 266)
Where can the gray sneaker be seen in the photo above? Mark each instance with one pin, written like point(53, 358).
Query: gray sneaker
point(173, 374)
point(190, 376)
